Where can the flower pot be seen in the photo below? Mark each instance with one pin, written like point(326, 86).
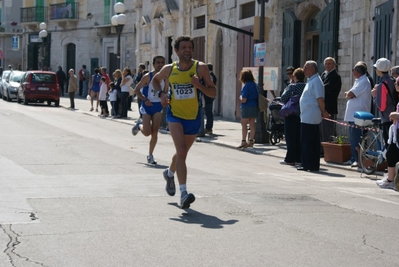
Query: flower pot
point(336, 153)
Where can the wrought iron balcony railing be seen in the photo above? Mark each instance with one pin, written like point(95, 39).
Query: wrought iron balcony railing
point(64, 11)
point(33, 14)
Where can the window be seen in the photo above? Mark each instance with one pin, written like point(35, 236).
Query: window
point(109, 10)
point(199, 22)
point(247, 10)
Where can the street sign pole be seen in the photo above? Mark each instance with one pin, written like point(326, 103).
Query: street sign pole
point(261, 134)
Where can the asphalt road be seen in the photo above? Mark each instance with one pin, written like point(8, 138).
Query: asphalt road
point(76, 191)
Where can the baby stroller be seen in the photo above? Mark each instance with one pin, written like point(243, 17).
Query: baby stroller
point(276, 123)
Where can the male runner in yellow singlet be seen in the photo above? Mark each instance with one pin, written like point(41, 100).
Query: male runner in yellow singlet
point(182, 114)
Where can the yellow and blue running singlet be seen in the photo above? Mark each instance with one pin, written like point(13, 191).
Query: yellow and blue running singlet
point(184, 96)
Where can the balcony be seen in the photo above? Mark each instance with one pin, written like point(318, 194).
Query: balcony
point(31, 17)
point(10, 29)
point(64, 14)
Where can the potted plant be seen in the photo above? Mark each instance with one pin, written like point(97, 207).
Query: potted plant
point(338, 150)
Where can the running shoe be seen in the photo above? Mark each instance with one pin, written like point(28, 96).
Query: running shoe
point(385, 183)
point(136, 128)
point(151, 160)
point(170, 183)
point(186, 199)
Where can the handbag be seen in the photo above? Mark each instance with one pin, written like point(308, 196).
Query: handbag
point(263, 103)
point(290, 108)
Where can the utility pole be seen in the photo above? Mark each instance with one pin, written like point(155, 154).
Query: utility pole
point(261, 134)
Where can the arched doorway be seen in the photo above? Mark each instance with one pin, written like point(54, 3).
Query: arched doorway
point(70, 60)
point(71, 57)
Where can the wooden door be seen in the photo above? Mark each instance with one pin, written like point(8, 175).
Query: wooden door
point(245, 52)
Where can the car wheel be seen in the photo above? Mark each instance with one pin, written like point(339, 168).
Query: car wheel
point(57, 103)
point(26, 101)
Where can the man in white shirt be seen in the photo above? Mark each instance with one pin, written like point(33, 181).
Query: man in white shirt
point(359, 99)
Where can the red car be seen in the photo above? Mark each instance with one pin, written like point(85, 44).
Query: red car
point(39, 86)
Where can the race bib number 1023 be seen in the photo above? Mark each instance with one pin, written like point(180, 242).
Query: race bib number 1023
point(184, 91)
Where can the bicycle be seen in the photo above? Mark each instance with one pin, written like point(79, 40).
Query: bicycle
point(372, 147)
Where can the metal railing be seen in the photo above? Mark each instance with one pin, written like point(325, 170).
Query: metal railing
point(64, 11)
point(33, 14)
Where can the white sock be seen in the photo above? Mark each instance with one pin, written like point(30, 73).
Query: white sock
point(183, 188)
point(170, 173)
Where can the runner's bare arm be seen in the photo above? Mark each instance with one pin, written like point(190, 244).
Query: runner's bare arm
point(163, 74)
point(209, 88)
point(143, 82)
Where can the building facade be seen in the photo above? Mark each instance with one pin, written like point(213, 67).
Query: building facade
point(80, 32)
point(11, 33)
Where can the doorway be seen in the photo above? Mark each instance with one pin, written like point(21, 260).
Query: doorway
point(312, 37)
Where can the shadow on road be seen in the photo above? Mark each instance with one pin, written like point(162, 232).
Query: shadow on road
point(206, 221)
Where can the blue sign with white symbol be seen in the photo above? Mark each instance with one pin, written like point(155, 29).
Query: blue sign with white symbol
point(15, 43)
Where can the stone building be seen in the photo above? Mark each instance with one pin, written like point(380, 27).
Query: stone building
point(79, 33)
point(299, 30)
point(10, 34)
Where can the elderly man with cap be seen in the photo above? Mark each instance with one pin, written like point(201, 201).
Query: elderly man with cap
point(384, 94)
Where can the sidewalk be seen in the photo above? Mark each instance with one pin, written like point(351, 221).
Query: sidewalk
point(226, 133)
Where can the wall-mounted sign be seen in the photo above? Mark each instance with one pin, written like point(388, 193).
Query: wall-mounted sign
point(34, 38)
point(259, 54)
point(15, 43)
point(270, 77)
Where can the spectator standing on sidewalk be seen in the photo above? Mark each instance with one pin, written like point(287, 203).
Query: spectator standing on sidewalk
point(332, 86)
point(313, 111)
point(359, 99)
point(72, 88)
point(127, 81)
point(392, 155)
point(113, 95)
point(80, 74)
point(292, 124)
point(103, 98)
point(86, 80)
point(95, 88)
point(209, 103)
point(249, 108)
point(384, 95)
point(151, 107)
point(117, 86)
point(61, 76)
point(105, 74)
point(182, 112)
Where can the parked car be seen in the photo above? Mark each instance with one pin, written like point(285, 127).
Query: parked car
point(11, 85)
point(3, 79)
point(39, 86)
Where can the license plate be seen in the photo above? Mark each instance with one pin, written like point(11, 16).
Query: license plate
point(43, 88)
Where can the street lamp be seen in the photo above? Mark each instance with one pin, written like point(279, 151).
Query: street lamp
point(43, 35)
point(261, 135)
point(119, 20)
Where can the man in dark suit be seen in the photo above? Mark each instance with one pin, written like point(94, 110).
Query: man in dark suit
point(332, 87)
point(61, 79)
